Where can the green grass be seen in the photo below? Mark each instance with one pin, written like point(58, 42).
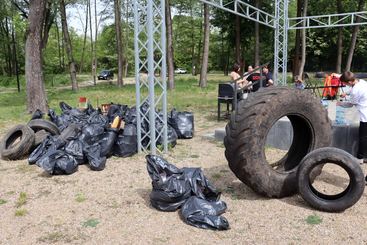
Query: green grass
point(2, 201)
point(313, 219)
point(186, 96)
point(21, 212)
point(91, 223)
point(80, 197)
point(22, 199)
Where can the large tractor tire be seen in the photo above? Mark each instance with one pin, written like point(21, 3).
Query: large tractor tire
point(247, 131)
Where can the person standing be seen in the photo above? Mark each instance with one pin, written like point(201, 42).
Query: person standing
point(358, 98)
point(235, 76)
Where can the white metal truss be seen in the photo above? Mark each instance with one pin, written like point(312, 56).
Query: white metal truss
point(245, 10)
point(150, 74)
point(281, 42)
point(331, 20)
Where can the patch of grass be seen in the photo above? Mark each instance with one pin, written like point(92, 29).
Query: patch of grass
point(194, 156)
point(21, 212)
point(91, 223)
point(10, 193)
point(216, 176)
point(314, 219)
point(52, 237)
point(80, 197)
point(22, 199)
point(2, 201)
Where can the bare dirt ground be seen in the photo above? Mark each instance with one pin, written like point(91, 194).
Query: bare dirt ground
point(112, 206)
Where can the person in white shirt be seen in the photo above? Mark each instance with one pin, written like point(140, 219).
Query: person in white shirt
point(358, 98)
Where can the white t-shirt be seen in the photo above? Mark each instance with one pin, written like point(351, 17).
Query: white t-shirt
point(358, 97)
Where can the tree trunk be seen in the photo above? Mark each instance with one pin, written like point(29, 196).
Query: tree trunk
point(15, 58)
point(85, 39)
point(352, 46)
point(193, 65)
point(204, 66)
point(36, 96)
point(59, 47)
point(297, 46)
point(91, 36)
point(238, 38)
point(303, 35)
point(69, 48)
point(120, 51)
point(94, 67)
point(170, 58)
point(9, 55)
point(257, 38)
point(338, 66)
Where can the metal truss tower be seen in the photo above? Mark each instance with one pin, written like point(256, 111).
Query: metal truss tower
point(150, 55)
point(150, 74)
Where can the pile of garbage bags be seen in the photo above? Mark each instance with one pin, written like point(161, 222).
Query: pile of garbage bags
point(77, 137)
point(186, 189)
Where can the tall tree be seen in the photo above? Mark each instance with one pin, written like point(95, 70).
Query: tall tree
point(238, 39)
point(94, 65)
point(257, 37)
point(120, 51)
point(303, 37)
point(352, 46)
point(170, 57)
point(204, 66)
point(69, 48)
point(36, 95)
point(338, 66)
point(297, 46)
point(85, 37)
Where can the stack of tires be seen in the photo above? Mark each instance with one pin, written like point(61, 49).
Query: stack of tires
point(22, 139)
point(245, 141)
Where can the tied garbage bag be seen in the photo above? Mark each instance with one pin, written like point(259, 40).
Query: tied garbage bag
point(51, 143)
point(126, 143)
point(38, 114)
point(200, 185)
point(170, 187)
point(95, 160)
point(75, 148)
point(56, 162)
point(183, 123)
point(204, 214)
point(116, 110)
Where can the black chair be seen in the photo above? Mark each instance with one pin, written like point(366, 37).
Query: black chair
point(226, 92)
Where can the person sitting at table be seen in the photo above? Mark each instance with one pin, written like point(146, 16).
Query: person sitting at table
point(236, 76)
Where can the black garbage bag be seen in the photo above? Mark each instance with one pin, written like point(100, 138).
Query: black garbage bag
point(130, 116)
point(183, 123)
point(126, 143)
point(64, 107)
point(204, 214)
point(89, 109)
point(170, 187)
point(95, 160)
point(116, 110)
point(200, 185)
point(108, 141)
point(51, 143)
point(75, 148)
point(92, 134)
point(97, 118)
point(57, 162)
point(38, 114)
point(55, 118)
point(171, 134)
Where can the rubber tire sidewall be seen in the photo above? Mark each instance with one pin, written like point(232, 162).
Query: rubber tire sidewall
point(337, 157)
point(22, 148)
point(247, 130)
point(48, 126)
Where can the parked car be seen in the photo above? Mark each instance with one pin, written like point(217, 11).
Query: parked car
point(105, 75)
point(180, 71)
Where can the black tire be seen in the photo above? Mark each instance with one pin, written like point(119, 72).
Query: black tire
point(247, 131)
point(10, 150)
point(41, 124)
point(331, 203)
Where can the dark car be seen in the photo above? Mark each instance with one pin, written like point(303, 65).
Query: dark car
point(105, 75)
